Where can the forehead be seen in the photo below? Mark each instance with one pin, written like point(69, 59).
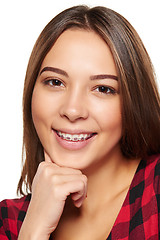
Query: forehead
point(80, 47)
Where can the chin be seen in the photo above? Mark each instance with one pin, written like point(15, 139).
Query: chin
point(72, 160)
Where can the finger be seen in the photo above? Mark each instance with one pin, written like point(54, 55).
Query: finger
point(78, 197)
point(78, 203)
point(77, 190)
point(66, 189)
point(59, 178)
point(60, 170)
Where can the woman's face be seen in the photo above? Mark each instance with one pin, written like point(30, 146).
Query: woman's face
point(76, 103)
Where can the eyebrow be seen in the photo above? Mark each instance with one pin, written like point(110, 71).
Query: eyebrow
point(56, 70)
point(94, 77)
point(104, 76)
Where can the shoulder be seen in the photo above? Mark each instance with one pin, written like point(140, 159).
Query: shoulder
point(12, 213)
point(149, 170)
point(17, 204)
point(152, 169)
point(149, 167)
point(146, 182)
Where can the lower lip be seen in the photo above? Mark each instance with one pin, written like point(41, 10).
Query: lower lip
point(70, 145)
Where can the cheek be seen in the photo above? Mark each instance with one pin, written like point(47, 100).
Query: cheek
point(112, 127)
point(40, 108)
point(41, 114)
point(109, 116)
point(36, 107)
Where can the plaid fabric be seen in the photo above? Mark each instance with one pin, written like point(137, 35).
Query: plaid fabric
point(138, 219)
point(11, 217)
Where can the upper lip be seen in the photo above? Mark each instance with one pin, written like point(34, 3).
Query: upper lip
point(74, 131)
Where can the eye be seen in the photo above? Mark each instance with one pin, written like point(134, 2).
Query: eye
point(105, 90)
point(53, 83)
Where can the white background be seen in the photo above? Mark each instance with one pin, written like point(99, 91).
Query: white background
point(20, 24)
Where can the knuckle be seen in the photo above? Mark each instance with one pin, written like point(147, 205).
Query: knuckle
point(41, 165)
point(44, 169)
point(54, 179)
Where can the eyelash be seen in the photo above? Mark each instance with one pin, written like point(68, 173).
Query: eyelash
point(102, 88)
point(105, 90)
point(55, 82)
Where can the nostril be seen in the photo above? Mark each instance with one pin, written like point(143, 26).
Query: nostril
point(74, 112)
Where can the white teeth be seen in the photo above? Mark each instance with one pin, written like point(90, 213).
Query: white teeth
point(74, 137)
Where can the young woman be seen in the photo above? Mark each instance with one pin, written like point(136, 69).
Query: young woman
point(91, 134)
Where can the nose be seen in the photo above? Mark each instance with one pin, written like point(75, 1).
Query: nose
point(74, 107)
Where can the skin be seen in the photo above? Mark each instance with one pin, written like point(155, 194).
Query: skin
point(79, 103)
point(78, 98)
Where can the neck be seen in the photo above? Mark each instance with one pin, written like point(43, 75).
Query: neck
point(107, 180)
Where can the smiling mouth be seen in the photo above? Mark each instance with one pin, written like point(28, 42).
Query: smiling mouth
point(74, 137)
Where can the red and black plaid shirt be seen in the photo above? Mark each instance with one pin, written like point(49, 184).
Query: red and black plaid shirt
point(138, 219)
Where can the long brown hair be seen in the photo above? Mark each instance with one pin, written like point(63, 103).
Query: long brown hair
point(139, 95)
